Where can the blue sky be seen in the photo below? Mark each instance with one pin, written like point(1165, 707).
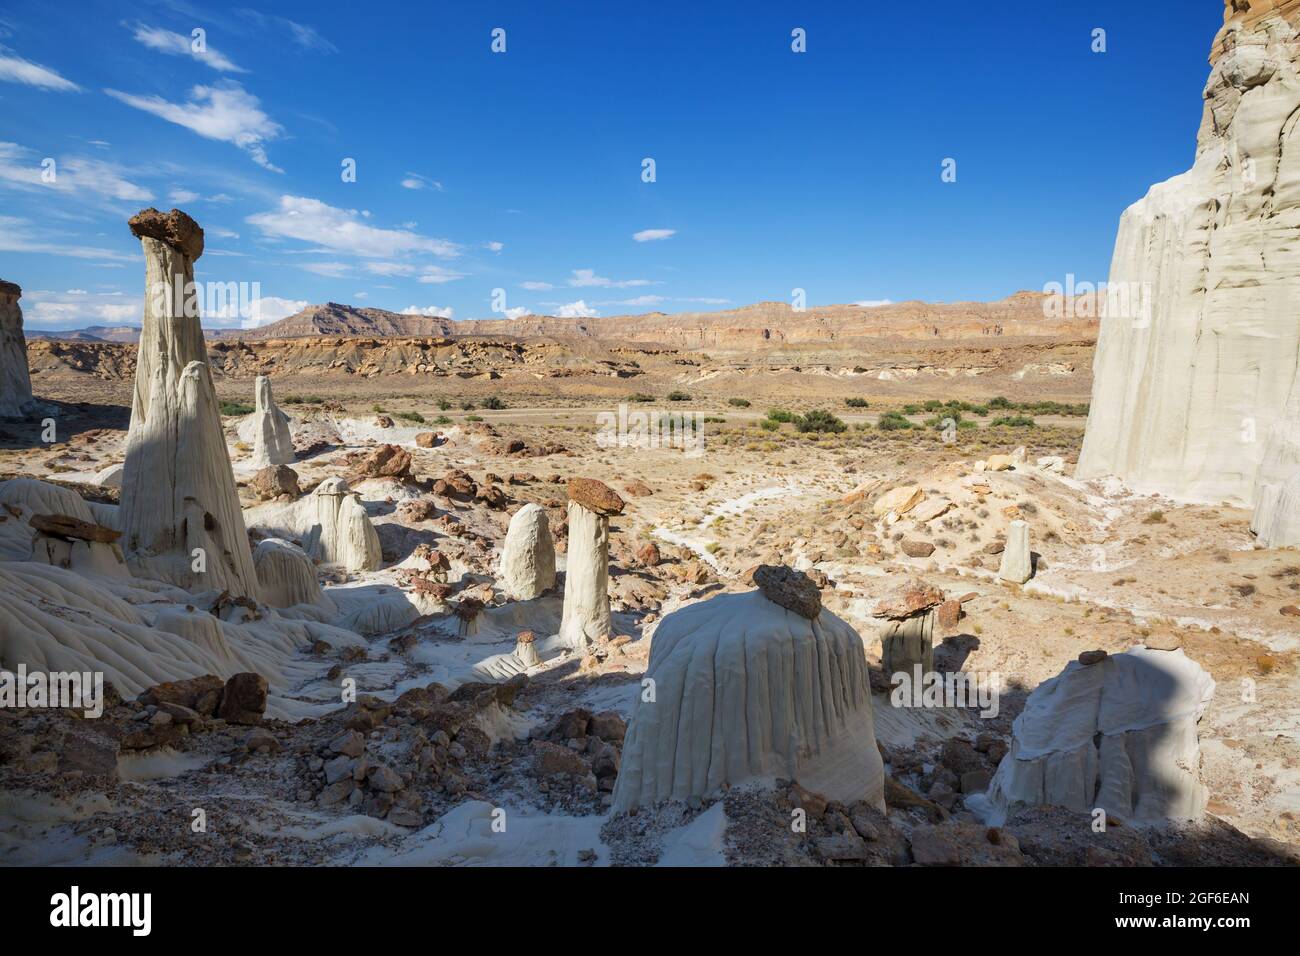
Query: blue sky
point(522, 170)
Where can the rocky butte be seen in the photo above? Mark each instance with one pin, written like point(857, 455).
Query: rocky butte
point(1190, 396)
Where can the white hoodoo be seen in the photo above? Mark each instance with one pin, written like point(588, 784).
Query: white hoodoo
point(272, 440)
point(528, 555)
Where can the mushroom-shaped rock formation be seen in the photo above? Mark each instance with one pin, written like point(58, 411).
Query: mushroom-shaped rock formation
point(907, 636)
point(1198, 355)
point(272, 440)
point(746, 690)
point(528, 555)
point(346, 535)
point(181, 519)
point(1017, 563)
point(1118, 733)
point(287, 575)
point(15, 381)
point(586, 580)
point(526, 649)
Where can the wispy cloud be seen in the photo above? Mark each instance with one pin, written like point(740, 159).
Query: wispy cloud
point(78, 308)
point(342, 231)
point(494, 246)
point(14, 69)
point(226, 113)
point(21, 235)
point(587, 277)
point(873, 303)
point(177, 44)
point(416, 181)
point(23, 168)
point(650, 235)
point(330, 270)
point(536, 286)
point(302, 35)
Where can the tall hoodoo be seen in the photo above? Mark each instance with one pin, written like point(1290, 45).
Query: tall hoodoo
point(272, 440)
point(528, 555)
point(181, 520)
point(586, 581)
point(1193, 376)
point(15, 381)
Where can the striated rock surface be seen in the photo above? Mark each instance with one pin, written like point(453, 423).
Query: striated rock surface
point(586, 582)
point(1200, 367)
point(1276, 521)
point(744, 691)
point(528, 555)
point(15, 380)
point(287, 575)
point(272, 440)
point(1118, 732)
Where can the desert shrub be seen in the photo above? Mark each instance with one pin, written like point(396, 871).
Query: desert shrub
point(966, 424)
point(679, 396)
point(892, 421)
point(1000, 402)
point(819, 420)
point(494, 403)
point(236, 408)
point(714, 420)
point(1013, 421)
point(378, 408)
point(641, 397)
point(779, 415)
point(738, 402)
point(410, 417)
point(443, 405)
point(467, 406)
point(769, 425)
point(855, 402)
point(862, 426)
point(910, 409)
point(304, 400)
point(473, 418)
point(442, 420)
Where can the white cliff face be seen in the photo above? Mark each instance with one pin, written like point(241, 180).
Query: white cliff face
point(15, 381)
point(1119, 735)
point(272, 440)
point(747, 690)
point(528, 555)
point(1276, 521)
point(1193, 377)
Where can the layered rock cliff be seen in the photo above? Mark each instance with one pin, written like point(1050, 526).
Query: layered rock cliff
point(1188, 390)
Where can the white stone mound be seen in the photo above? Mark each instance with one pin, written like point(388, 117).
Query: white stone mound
point(21, 498)
point(1198, 357)
point(586, 579)
point(1118, 735)
point(528, 555)
point(746, 690)
point(287, 576)
point(1017, 563)
point(272, 439)
point(15, 380)
point(331, 523)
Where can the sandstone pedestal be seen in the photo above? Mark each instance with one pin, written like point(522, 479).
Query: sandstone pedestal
point(528, 555)
point(586, 583)
point(15, 381)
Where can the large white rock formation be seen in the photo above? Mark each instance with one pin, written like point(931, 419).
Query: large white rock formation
point(331, 523)
point(181, 519)
point(528, 555)
point(23, 499)
point(1193, 373)
point(15, 381)
point(586, 578)
point(287, 576)
point(272, 440)
point(746, 690)
point(1118, 735)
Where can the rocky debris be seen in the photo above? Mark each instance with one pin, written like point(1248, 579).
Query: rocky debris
point(648, 555)
point(909, 599)
point(383, 421)
point(243, 701)
point(899, 501)
point(1017, 563)
point(1290, 610)
point(595, 496)
point(456, 484)
point(15, 378)
point(272, 439)
point(386, 461)
point(1088, 658)
point(930, 509)
point(417, 510)
point(915, 548)
point(964, 844)
point(429, 440)
point(638, 488)
point(1162, 642)
point(948, 614)
point(274, 481)
point(791, 589)
point(528, 554)
point(493, 497)
point(200, 694)
point(65, 526)
point(174, 228)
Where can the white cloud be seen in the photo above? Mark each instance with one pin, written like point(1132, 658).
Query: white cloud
point(638, 300)
point(873, 303)
point(576, 310)
point(331, 270)
point(495, 246)
point(22, 168)
point(220, 233)
point(360, 295)
point(517, 313)
point(588, 277)
point(182, 196)
point(15, 69)
point(249, 315)
point(706, 300)
point(416, 181)
point(338, 230)
point(176, 44)
point(437, 275)
point(20, 235)
point(76, 309)
point(436, 311)
point(225, 113)
point(536, 286)
point(650, 235)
